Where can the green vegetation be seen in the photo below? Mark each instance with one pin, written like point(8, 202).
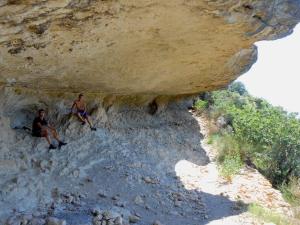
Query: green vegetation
point(291, 192)
point(267, 215)
point(200, 105)
point(254, 131)
point(229, 157)
point(231, 166)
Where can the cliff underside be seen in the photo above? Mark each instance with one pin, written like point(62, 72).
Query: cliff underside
point(138, 63)
point(135, 47)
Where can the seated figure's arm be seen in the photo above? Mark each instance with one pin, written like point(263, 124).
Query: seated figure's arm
point(49, 125)
point(73, 106)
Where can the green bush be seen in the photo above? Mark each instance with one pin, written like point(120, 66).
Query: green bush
point(291, 191)
point(238, 87)
point(230, 166)
point(267, 135)
point(200, 105)
point(229, 154)
point(211, 139)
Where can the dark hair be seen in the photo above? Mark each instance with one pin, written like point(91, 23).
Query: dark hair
point(80, 95)
point(41, 110)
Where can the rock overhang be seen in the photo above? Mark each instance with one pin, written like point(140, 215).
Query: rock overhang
point(135, 47)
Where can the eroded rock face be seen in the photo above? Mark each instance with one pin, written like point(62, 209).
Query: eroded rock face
point(156, 47)
point(132, 153)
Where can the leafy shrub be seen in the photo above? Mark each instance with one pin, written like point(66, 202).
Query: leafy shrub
point(211, 139)
point(265, 134)
point(229, 155)
point(259, 134)
point(200, 105)
point(231, 165)
point(227, 146)
point(291, 191)
point(238, 87)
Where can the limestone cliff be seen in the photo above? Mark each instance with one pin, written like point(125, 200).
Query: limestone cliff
point(129, 57)
point(135, 47)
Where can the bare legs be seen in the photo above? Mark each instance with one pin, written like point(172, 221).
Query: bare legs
point(85, 119)
point(81, 118)
point(89, 122)
point(45, 134)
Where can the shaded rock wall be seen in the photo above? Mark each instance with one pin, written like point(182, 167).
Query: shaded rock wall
point(156, 47)
point(132, 154)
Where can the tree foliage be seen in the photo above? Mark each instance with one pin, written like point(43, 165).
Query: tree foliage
point(272, 134)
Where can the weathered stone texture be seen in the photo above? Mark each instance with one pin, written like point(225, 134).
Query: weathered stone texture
point(133, 47)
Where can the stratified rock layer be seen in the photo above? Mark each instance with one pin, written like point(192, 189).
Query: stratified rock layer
point(156, 47)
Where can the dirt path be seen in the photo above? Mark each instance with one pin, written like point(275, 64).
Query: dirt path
point(206, 179)
point(249, 186)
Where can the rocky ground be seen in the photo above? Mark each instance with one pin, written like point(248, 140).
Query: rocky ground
point(136, 168)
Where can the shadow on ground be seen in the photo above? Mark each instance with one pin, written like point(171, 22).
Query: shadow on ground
point(127, 166)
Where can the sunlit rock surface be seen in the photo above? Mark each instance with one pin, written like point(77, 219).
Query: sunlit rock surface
point(135, 47)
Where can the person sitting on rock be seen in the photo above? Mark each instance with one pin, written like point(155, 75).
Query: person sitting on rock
point(41, 128)
point(80, 106)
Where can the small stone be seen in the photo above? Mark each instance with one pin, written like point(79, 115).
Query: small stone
point(116, 197)
point(108, 167)
point(76, 173)
point(137, 214)
point(71, 199)
point(118, 221)
point(150, 180)
point(110, 222)
point(177, 203)
point(134, 219)
point(96, 212)
point(97, 221)
point(107, 215)
point(177, 196)
point(55, 221)
point(102, 194)
point(36, 214)
point(114, 215)
point(138, 200)
point(120, 204)
point(43, 164)
point(157, 223)
point(80, 196)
